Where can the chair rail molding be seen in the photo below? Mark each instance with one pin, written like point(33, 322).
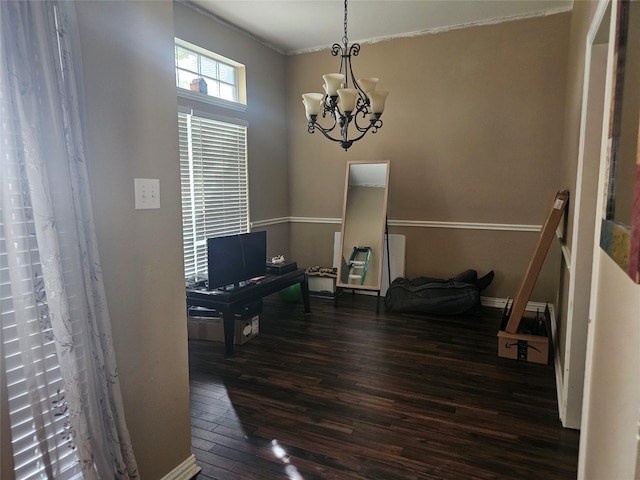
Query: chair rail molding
point(507, 227)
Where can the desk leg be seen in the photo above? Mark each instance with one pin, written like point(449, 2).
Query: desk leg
point(304, 286)
point(229, 333)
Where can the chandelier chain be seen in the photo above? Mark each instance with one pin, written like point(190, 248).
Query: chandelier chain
point(345, 39)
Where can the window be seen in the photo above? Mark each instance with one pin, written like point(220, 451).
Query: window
point(213, 173)
point(205, 72)
point(32, 374)
point(213, 151)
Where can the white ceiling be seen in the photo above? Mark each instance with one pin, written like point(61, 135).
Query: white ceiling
point(295, 26)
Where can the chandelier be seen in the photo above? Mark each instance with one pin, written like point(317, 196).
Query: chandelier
point(359, 106)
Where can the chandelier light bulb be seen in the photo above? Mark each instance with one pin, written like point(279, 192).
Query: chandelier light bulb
point(312, 103)
point(348, 98)
point(368, 84)
point(332, 83)
point(377, 100)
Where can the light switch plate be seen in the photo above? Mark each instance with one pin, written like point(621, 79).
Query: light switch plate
point(147, 193)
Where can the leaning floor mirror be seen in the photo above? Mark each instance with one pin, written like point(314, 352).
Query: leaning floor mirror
point(364, 220)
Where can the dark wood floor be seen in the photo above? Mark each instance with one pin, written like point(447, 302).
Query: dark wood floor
point(347, 394)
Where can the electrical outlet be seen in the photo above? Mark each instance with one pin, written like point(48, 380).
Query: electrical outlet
point(147, 193)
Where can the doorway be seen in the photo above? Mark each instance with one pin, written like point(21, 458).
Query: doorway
point(586, 210)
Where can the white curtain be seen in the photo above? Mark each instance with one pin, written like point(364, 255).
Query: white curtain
point(46, 188)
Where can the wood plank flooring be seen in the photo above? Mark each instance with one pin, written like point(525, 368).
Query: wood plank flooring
point(345, 394)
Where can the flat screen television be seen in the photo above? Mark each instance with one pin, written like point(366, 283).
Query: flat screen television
point(233, 260)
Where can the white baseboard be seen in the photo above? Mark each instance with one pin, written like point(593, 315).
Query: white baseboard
point(185, 471)
point(492, 302)
point(562, 410)
point(495, 302)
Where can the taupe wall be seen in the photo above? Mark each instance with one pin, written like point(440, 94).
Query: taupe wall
point(473, 130)
point(127, 54)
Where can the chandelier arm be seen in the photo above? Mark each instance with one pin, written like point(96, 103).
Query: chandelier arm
point(344, 140)
point(315, 124)
point(362, 134)
point(362, 105)
point(370, 126)
point(330, 107)
point(325, 132)
point(353, 50)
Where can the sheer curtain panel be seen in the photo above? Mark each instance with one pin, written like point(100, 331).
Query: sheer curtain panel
point(66, 412)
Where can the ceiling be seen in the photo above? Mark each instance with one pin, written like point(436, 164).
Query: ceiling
point(296, 26)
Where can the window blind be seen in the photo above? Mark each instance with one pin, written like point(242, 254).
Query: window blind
point(214, 184)
point(46, 384)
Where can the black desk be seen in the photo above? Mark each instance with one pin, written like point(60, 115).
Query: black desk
point(229, 302)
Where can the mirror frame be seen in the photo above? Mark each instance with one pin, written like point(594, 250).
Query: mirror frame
point(341, 263)
point(620, 241)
